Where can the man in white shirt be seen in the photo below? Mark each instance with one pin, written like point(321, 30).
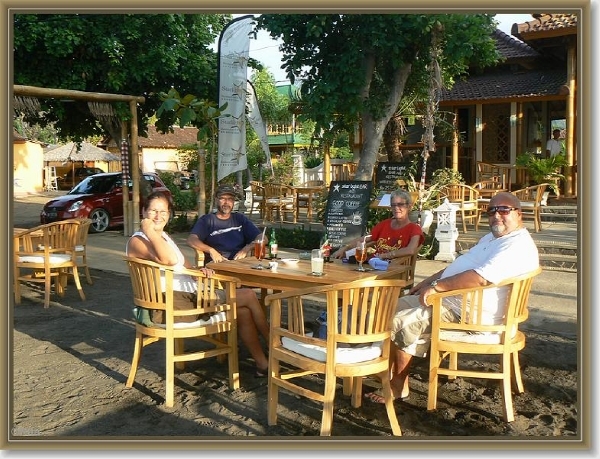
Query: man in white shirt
point(554, 146)
point(507, 251)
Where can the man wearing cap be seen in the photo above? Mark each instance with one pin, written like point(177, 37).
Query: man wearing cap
point(223, 235)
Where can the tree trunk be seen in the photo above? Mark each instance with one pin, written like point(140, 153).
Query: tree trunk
point(392, 138)
point(373, 128)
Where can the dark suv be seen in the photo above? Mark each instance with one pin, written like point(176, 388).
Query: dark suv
point(99, 198)
point(73, 177)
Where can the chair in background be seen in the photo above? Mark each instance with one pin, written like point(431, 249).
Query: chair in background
point(531, 199)
point(81, 247)
point(306, 194)
point(358, 347)
point(258, 199)
point(466, 198)
point(46, 254)
point(219, 330)
point(279, 201)
point(471, 337)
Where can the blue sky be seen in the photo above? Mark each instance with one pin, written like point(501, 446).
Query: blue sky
point(265, 49)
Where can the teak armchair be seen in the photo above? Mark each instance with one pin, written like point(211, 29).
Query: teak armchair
point(81, 247)
point(471, 337)
point(531, 199)
point(219, 330)
point(279, 199)
point(466, 197)
point(359, 347)
point(46, 254)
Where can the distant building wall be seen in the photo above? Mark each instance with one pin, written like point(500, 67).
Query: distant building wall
point(150, 156)
point(28, 168)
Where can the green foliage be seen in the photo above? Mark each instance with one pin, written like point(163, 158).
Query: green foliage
point(312, 161)
point(298, 238)
point(179, 224)
point(134, 54)
point(182, 200)
point(542, 170)
point(445, 176)
point(283, 170)
point(357, 67)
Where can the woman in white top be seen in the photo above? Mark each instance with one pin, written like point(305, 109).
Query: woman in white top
point(152, 243)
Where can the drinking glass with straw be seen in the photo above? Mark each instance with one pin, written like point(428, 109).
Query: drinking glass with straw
point(259, 249)
point(361, 253)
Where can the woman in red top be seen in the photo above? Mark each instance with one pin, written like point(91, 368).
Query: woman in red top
point(394, 237)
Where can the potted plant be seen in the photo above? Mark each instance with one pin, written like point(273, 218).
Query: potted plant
point(543, 170)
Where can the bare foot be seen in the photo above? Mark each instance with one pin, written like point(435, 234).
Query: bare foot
point(376, 397)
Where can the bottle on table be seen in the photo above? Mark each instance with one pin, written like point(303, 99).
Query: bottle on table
point(273, 246)
point(325, 247)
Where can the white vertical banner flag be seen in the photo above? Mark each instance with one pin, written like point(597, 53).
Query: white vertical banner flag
point(234, 52)
point(257, 122)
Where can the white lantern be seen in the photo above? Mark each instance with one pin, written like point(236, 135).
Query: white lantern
point(446, 232)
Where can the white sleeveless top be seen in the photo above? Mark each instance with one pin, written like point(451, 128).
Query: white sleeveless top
point(181, 282)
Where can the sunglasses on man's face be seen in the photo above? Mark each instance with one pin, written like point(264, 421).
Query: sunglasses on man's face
point(502, 210)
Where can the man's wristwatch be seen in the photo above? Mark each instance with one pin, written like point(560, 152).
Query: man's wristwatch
point(433, 284)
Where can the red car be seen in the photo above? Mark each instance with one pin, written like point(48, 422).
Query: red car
point(99, 198)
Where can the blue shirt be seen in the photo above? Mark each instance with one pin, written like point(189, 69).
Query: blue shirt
point(229, 236)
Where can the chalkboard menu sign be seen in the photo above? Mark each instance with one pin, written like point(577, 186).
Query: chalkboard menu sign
point(386, 175)
point(347, 211)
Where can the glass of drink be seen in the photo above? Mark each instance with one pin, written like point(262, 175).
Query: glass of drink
point(361, 254)
point(316, 262)
point(259, 252)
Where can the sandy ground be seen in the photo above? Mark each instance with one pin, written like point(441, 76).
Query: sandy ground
point(71, 362)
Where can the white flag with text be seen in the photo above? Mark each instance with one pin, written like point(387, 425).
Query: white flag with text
point(234, 51)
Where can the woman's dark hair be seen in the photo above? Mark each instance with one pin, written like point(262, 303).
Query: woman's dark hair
point(157, 195)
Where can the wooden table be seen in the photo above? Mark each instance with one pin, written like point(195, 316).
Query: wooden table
point(297, 276)
point(304, 196)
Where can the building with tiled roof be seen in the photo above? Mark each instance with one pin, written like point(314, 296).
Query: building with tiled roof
point(159, 151)
point(513, 107)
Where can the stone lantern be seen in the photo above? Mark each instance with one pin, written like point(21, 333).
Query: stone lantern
point(446, 232)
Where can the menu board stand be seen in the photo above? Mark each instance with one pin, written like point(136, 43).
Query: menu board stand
point(388, 173)
point(347, 211)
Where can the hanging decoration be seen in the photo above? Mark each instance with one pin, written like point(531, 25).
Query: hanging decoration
point(435, 86)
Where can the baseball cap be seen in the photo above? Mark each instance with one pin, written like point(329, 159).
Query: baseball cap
point(225, 189)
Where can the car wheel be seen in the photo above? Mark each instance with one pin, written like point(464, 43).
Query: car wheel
point(100, 220)
point(185, 185)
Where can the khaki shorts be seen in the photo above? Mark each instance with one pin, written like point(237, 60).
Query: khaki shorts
point(411, 325)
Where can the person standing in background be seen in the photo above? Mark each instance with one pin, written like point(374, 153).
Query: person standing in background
point(554, 145)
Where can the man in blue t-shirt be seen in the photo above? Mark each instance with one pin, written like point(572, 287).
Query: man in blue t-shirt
point(224, 235)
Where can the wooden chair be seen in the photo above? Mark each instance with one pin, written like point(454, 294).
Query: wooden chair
point(409, 260)
point(531, 199)
point(279, 199)
point(305, 194)
point(359, 347)
point(465, 197)
point(46, 254)
point(258, 198)
point(471, 337)
point(81, 247)
point(220, 330)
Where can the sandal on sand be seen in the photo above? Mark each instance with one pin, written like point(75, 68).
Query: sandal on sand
point(379, 398)
point(261, 373)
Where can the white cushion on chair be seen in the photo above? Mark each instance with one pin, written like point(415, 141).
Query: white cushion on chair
point(475, 338)
point(54, 258)
point(342, 354)
point(79, 248)
point(214, 319)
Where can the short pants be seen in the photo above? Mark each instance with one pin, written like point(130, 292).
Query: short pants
point(411, 325)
